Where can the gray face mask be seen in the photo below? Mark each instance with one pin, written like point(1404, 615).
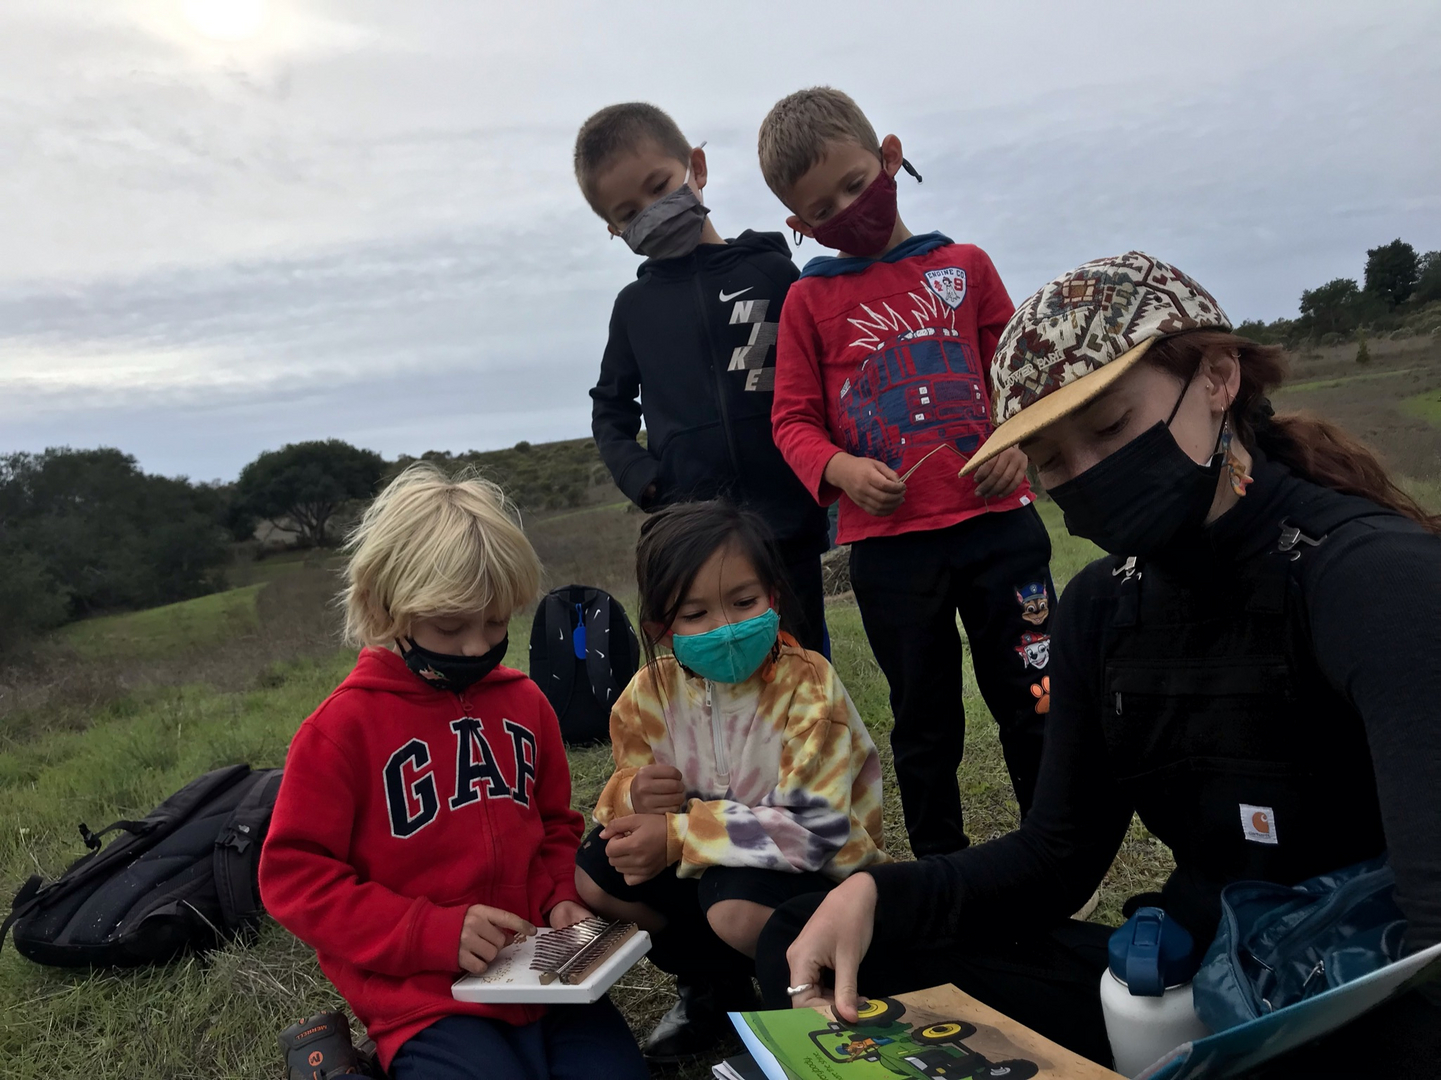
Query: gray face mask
point(669, 227)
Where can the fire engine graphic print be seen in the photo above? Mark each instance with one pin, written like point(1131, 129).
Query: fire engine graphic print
point(920, 386)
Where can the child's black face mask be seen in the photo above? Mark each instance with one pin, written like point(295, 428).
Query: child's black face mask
point(445, 671)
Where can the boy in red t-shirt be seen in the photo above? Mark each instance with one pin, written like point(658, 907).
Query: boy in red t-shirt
point(880, 398)
point(424, 820)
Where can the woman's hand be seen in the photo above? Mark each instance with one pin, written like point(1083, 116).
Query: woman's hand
point(1001, 475)
point(836, 938)
point(485, 932)
point(657, 789)
point(637, 846)
point(566, 913)
point(872, 485)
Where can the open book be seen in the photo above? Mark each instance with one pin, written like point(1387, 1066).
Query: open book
point(573, 966)
point(940, 1032)
point(943, 1032)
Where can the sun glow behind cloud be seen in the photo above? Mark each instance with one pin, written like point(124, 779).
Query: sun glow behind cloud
point(226, 20)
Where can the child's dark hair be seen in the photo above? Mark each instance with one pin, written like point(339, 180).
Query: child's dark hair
point(675, 543)
point(619, 129)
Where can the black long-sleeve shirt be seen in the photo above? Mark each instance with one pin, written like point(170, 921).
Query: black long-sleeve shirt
point(1372, 604)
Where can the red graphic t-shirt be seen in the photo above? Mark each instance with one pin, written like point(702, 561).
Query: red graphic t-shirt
point(888, 359)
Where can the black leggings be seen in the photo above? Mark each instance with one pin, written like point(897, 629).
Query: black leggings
point(1051, 982)
point(803, 573)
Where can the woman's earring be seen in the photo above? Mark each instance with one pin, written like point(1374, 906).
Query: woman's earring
point(1240, 478)
point(797, 234)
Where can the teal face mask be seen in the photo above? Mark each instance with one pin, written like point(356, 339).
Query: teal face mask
point(729, 653)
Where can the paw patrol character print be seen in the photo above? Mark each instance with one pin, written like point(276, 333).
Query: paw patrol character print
point(1035, 602)
point(1034, 650)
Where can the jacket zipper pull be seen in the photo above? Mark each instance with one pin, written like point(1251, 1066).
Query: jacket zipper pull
point(722, 759)
point(1118, 703)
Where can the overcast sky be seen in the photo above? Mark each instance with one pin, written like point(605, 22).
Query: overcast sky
point(360, 220)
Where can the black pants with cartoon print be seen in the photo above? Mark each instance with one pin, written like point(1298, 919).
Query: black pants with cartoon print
point(993, 570)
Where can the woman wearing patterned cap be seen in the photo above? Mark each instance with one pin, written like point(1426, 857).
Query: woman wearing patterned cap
point(1240, 673)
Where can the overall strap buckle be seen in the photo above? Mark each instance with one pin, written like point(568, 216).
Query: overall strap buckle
point(1291, 536)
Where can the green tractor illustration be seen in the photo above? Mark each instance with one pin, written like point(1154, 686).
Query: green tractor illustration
point(935, 1051)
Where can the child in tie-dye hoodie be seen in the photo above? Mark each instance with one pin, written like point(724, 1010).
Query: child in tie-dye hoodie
point(744, 775)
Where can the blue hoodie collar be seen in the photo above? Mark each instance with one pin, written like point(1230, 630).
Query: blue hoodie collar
point(835, 265)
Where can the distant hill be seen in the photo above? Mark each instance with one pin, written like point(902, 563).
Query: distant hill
point(536, 476)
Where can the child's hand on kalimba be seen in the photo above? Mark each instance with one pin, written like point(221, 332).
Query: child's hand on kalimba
point(485, 932)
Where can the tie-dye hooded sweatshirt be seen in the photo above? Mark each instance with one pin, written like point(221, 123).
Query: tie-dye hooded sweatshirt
point(780, 772)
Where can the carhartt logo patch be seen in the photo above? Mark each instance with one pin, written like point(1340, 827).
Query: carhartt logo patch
point(1258, 823)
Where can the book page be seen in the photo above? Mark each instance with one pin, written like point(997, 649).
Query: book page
point(940, 1032)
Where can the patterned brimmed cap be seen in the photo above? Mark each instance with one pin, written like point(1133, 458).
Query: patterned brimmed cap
point(1082, 332)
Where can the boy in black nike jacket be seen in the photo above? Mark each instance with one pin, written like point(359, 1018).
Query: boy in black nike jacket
point(695, 335)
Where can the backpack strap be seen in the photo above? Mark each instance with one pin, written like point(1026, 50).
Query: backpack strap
point(34, 892)
point(237, 850)
point(596, 608)
point(552, 649)
point(25, 902)
point(625, 652)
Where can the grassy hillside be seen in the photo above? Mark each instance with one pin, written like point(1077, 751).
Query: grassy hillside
point(1393, 403)
point(205, 621)
point(540, 476)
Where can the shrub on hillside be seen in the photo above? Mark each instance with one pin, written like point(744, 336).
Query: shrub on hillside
point(107, 534)
point(308, 482)
point(1363, 354)
point(29, 599)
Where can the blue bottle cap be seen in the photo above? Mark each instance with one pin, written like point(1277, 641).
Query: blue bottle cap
point(1151, 952)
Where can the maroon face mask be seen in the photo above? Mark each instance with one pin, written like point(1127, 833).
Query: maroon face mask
point(865, 226)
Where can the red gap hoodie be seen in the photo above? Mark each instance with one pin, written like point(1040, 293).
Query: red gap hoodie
point(403, 805)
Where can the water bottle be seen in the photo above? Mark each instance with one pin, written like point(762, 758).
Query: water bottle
point(1146, 991)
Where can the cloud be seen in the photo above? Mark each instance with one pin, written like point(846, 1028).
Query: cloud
point(363, 224)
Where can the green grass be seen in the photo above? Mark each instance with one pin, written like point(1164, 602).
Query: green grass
point(217, 1016)
point(1424, 406)
point(1327, 384)
point(205, 622)
point(259, 571)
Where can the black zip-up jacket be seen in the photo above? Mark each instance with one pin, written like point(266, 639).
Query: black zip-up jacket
point(694, 339)
point(1182, 718)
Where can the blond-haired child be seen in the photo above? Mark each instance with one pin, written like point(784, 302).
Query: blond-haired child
point(424, 820)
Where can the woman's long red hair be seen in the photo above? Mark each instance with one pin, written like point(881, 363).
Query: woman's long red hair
point(1309, 446)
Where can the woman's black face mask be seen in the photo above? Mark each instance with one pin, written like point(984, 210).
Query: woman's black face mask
point(1137, 500)
point(445, 671)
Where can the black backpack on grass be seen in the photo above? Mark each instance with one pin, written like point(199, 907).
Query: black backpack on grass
point(583, 652)
point(183, 877)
